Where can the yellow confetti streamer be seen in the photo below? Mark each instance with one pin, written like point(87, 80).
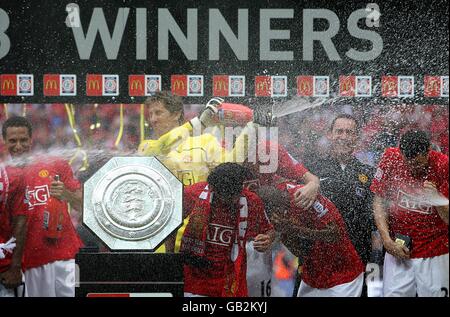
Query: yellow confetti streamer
point(142, 123)
point(119, 136)
point(70, 109)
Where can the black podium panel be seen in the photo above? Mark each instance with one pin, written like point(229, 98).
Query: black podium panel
point(129, 274)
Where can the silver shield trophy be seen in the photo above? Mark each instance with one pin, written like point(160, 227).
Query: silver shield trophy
point(133, 203)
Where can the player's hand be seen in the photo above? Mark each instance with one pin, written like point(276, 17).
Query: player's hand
point(306, 196)
point(57, 189)
point(431, 189)
point(262, 242)
point(11, 278)
point(207, 115)
point(396, 249)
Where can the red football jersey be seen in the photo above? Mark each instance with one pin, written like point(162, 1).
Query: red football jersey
point(221, 235)
point(38, 249)
point(12, 203)
point(327, 264)
point(287, 167)
point(410, 214)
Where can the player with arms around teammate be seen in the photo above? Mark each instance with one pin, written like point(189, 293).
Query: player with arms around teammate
point(223, 217)
point(318, 236)
point(49, 261)
point(411, 213)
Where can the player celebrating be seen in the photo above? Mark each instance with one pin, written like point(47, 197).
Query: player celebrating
point(318, 236)
point(223, 217)
point(413, 180)
point(49, 262)
point(13, 220)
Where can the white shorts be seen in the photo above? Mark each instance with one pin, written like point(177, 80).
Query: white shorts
point(350, 289)
point(426, 277)
point(259, 271)
point(56, 279)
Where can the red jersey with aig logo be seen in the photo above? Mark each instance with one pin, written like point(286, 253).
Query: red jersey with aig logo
point(220, 237)
point(38, 249)
point(12, 203)
point(410, 214)
point(328, 264)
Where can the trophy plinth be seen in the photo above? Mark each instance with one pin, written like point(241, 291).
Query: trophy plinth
point(132, 204)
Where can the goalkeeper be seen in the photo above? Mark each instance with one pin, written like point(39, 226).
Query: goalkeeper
point(190, 154)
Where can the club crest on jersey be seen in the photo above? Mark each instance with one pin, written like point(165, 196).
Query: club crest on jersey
point(413, 203)
point(43, 173)
point(363, 178)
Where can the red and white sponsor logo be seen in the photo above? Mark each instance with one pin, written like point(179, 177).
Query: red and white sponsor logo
point(228, 86)
point(143, 85)
point(60, 85)
point(355, 86)
point(102, 85)
point(38, 195)
point(16, 85)
point(187, 85)
point(432, 86)
point(397, 86)
point(219, 235)
point(413, 203)
point(313, 86)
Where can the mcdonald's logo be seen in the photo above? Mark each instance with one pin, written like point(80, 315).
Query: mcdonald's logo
point(221, 85)
point(432, 86)
point(262, 86)
point(94, 84)
point(389, 86)
point(179, 84)
point(305, 85)
point(8, 84)
point(347, 85)
point(51, 84)
point(136, 85)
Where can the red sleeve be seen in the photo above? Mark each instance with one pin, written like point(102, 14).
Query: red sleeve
point(66, 174)
point(288, 167)
point(442, 168)
point(331, 214)
point(380, 180)
point(190, 196)
point(258, 220)
point(18, 198)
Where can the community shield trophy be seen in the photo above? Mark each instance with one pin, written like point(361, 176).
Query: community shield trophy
point(132, 204)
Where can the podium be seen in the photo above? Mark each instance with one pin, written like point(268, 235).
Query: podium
point(129, 274)
point(132, 204)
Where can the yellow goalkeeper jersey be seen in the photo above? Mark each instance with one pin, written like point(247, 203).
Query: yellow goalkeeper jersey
point(189, 158)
